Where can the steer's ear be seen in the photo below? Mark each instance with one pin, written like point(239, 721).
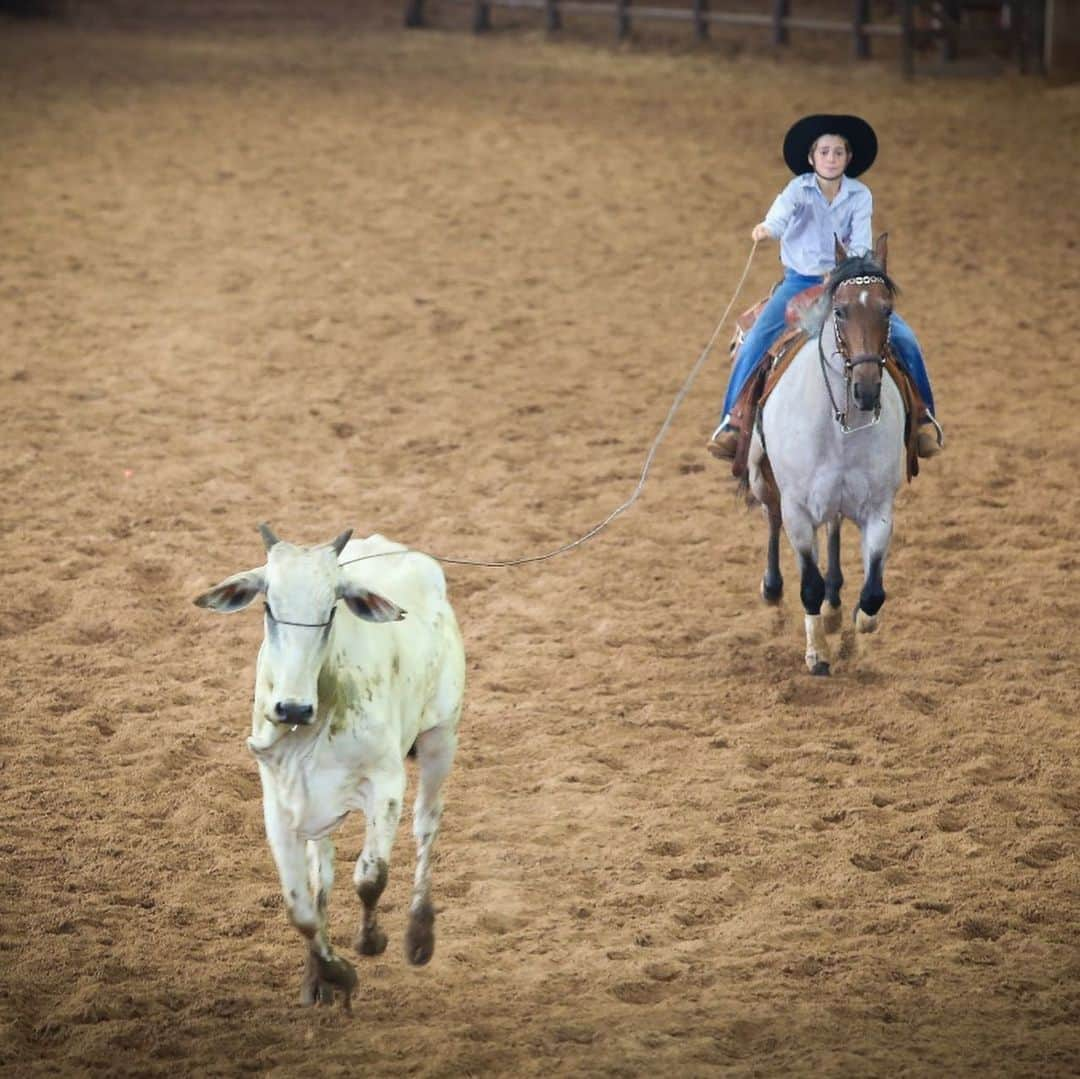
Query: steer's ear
point(235, 592)
point(370, 605)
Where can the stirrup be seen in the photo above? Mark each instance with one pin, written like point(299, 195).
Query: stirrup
point(932, 419)
point(927, 443)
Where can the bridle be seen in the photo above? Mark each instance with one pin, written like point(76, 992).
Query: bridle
point(841, 414)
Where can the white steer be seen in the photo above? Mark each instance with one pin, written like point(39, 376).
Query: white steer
point(338, 705)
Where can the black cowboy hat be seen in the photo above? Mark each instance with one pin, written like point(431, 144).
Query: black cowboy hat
point(805, 132)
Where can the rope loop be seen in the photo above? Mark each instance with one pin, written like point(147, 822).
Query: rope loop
point(619, 510)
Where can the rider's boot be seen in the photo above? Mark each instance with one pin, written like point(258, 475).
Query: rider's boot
point(724, 441)
point(930, 438)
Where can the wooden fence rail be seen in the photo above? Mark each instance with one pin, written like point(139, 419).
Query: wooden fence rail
point(919, 22)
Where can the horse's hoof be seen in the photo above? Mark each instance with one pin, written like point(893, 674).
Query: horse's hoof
point(820, 669)
point(772, 593)
point(865, 623)
point(830, 618)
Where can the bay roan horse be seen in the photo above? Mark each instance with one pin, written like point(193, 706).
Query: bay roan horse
point(830, 445)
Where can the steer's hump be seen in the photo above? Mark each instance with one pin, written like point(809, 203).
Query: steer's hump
point(398, 572)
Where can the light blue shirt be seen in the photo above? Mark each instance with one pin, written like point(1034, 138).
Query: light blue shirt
point(805, 223)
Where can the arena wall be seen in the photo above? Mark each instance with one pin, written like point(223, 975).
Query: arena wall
point(1063, 40)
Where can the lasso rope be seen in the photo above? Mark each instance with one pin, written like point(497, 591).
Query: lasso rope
point(679, 398)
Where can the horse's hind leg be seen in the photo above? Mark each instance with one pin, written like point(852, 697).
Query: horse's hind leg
point(834, 579)
point(803, 537)
point(876, 534)
point(772, 584)
point(763, 484)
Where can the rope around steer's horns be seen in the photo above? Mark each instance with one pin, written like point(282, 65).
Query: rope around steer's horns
point(679, 398)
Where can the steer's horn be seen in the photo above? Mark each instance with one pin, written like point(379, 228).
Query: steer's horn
point(268, 537)
point(339, 543)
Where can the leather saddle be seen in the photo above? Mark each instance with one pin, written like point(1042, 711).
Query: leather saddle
point(796, 308)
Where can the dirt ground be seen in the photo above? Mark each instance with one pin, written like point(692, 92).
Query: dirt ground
point(446, 288)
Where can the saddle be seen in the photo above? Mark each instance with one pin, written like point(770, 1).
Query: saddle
point(796, 308)
point(778, 356)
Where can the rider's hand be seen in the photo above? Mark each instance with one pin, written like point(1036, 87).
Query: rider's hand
point(760, 233)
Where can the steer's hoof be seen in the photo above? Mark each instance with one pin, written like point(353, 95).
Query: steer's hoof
point(820, 669)
point(323, 976)
point(371, 941)
point(420, 935)
point(312, 990)
point(338, 974)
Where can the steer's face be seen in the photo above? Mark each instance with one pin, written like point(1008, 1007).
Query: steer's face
point(301, 587)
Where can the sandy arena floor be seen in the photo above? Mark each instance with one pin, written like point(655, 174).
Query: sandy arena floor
point(446, 288)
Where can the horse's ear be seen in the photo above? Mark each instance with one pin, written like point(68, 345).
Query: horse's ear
point(881, 249)
point(841, 254)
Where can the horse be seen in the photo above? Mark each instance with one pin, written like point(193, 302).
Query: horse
point(829, 445)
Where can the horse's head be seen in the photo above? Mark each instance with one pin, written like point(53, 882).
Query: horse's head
point(860, 295)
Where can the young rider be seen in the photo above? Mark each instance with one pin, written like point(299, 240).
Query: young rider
point(815, 207)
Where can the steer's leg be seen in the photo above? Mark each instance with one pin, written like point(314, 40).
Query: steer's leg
point(435, 753)
point(372, 867)
point(320, 858)
point(307, 911)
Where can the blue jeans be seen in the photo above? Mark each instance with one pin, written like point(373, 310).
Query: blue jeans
point(770, 323)
point(911, 359)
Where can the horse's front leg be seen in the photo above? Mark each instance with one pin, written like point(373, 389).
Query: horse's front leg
point(876, 534)
point(772, 584)
point(834, 579)
point(763, 484)
point(803, 536)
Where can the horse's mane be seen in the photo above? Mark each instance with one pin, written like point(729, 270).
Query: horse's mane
point(853, 266)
